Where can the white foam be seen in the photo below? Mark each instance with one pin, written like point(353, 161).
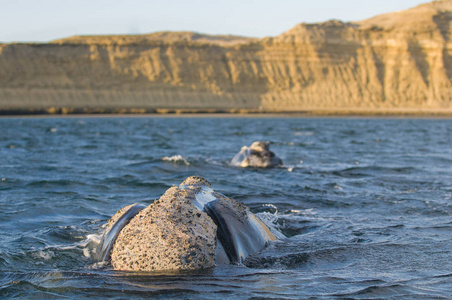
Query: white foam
point(89, 245)
point(176, 159)
point(98, 265)
point(270, 220)
point(303, 133)
point(45, 255)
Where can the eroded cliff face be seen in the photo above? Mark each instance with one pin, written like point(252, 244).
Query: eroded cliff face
point(399, 62)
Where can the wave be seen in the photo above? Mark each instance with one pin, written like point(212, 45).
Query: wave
point(178, 159)
point(365, 171)
point(55, 183)
point(89, 245)
point(303, 133)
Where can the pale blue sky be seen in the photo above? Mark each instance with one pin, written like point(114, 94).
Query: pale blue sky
point(45, 20)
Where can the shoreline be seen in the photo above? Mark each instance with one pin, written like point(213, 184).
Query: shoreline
point(214, 113)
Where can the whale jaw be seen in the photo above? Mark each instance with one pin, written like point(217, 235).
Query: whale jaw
point(240, 233)
point(103, 250)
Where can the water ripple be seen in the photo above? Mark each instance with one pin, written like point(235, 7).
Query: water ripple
point(365, 204)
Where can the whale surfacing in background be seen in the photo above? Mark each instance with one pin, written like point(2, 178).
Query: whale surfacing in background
point(190, 227)
point(257, 155)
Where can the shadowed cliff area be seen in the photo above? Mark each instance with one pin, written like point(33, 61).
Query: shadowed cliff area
point(399, 62)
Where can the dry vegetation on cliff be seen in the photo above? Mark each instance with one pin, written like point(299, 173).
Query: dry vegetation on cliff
point(394, 63)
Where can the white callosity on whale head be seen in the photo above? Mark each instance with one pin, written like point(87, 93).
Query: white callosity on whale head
point(257, 155)
point(169, 234)
point(204, 194)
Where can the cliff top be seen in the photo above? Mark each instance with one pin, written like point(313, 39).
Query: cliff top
point(419, 18)
point(165, 36)
point(428, 17)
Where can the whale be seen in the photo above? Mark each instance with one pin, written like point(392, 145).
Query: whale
point(203, 228)
point(257, 155)
point(110, 236)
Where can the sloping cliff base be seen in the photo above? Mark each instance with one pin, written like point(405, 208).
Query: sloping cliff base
point(56, 111)
point(398, 64)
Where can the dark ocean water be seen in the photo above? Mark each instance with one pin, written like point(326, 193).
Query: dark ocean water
point(366, 204)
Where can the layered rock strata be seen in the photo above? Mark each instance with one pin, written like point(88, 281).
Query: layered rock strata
point(399, 62)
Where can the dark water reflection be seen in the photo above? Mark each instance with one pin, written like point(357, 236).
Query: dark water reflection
point(365, 204)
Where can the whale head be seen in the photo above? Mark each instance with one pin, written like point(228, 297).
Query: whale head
point(258, 155)
point(190, 227)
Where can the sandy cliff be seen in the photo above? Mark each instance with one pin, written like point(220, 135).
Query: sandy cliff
point(398, 62)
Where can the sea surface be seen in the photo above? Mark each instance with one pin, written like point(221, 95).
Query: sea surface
point(365, 204)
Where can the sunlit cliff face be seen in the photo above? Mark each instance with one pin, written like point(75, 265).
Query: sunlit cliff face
point(394, 62)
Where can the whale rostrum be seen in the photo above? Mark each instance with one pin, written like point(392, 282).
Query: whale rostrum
point(190, 227)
